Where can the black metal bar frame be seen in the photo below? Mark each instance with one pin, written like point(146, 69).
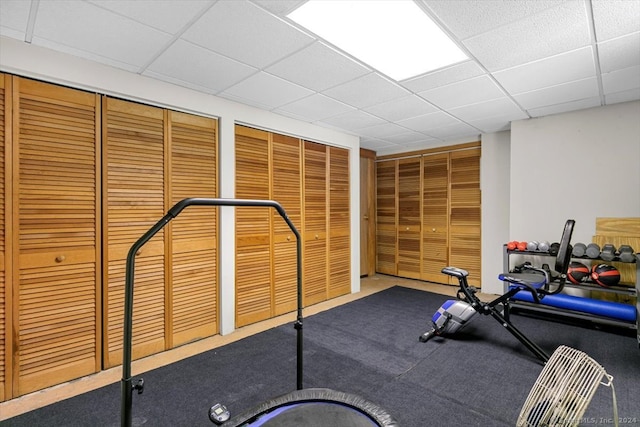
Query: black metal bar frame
point(127, 386)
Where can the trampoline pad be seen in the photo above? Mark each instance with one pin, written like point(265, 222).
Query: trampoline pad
point(315, 407)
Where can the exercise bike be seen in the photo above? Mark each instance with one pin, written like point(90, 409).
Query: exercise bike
point(539, 282)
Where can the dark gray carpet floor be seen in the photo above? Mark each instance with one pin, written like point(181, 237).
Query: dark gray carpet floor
point(370, 347)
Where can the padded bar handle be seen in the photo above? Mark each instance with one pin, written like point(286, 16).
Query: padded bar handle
point(127, 386)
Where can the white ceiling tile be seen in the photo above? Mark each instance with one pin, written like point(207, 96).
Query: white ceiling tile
point(471, 91)
point(494, 124)
point(14, 15)
point(559, 94)
point(620, 80)
point(401, 108)
point(444, 76)
point(267, 91)
point(246, 33)
point(318, 67)
point(565, 107)
point(623, 52)
point(566, 67)
point(625, 96)
point(366, 91)
point(187, 62)
point(409, 138)
point(428, 121)
point(382, 131)
point(313, 108)
point(503, 107)
point(613, 18)
point(167, 16)
point(279, 7)
point(73, 27)
point(550, 32)
point(466, 18)
point(353, 120)
point(453, 131)
point(376, 144)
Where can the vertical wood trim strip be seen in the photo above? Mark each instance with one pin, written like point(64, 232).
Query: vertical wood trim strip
point(8, 207)
point(98, 231)
point(168, 246)
point(15, 347)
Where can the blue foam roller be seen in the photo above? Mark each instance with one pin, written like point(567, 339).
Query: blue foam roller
point(610, 309)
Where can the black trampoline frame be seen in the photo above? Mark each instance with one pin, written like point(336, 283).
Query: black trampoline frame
point(127, 382)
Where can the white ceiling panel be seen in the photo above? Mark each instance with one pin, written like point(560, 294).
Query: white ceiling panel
point(455, 73)
point(266, 91)
point(558, 69)
point(401, 108)
point(167, 16)
point(428, 121)
point(503, 107)
point(14, 17)
point(366, 91)
point(314, 108)
point(467, 18)
point(527, 58)
point(623, 52)
point(615, 18)
point(573, 91)
point(565, 107)
point(318, 67)
point(246, 33)
point(550, 32)
point(620, 80)
point(471, 91)
point(186, 62)
point(82, 27)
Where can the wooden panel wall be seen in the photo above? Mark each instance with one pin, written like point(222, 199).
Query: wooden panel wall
point(339, 223)
point(134, 156)
point(253, 228)
point(56, 211)
point(286, 189)
point(83, 176)
point(428, 214)
point(5, 196)
point(193, 254)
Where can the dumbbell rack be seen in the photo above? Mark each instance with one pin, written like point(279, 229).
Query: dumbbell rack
point(543, 309)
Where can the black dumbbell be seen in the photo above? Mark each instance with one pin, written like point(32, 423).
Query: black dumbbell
point(626, 253)
point(608, 252)
point(593, 250)
point(579, 249)
point(554, 248)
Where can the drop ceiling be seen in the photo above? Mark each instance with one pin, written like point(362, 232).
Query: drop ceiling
point(527, 58)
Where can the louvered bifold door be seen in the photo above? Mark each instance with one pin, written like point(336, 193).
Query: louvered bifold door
point(286, 184)
point(134, 163)
point(386, 216)
point(409, 217)
point(464, 222)
point(339, 223)
point(315, 223)
point(193, 276)
point(435, 217)
point(253, 228)
point(56, 256)
point(5, 290)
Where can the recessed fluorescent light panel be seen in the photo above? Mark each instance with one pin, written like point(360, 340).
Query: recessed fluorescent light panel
point(395, 37)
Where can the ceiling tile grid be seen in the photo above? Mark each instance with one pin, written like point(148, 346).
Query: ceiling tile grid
point(526, 58)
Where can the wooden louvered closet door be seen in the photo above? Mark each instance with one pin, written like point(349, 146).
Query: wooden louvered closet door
point(193, 274)
point(339, 223)
point(409, 217)
point(315, 223)
point(286, 182)
point(56, 244)
point(386, 216)
point(134, 193)
point(5, 294)
point(253, 228)
point(435, 216)
point(465, 210)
